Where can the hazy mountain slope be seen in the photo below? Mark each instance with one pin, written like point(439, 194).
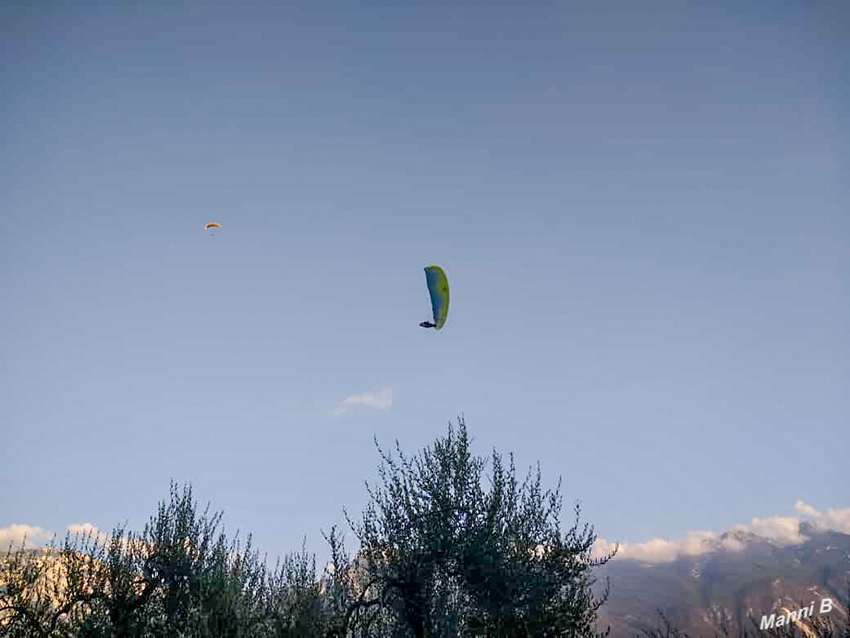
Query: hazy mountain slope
point(701, 593)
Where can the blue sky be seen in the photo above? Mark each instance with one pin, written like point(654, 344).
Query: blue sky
point(643, 214)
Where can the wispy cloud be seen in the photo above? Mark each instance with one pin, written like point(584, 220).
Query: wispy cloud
point(782, 530)
point(381, 400)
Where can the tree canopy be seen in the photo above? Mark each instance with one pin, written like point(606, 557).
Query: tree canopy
point(443, 556)
point(440, 555)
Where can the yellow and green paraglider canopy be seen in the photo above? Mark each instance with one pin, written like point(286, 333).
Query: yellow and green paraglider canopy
point(438, 287)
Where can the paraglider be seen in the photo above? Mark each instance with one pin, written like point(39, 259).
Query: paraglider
point(438, 287)
point(211, 226)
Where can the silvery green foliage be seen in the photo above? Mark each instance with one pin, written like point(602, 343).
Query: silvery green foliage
point(442, 556)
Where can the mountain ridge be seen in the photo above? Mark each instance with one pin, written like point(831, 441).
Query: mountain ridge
point(739, 578)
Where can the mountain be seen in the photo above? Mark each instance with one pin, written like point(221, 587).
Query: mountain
point(737, 578)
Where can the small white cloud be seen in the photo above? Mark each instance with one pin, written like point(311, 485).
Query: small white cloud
point(602, 548)
point(806, 510)
point(837, 520)
point(382, 400)
point(83, 529)
point(783, 530)
point(15, 534)
point(659, 550)
point(656, 550)
point(732, 544)
point(697, 543)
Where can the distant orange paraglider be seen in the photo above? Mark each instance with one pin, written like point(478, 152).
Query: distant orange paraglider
point(212, 225)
